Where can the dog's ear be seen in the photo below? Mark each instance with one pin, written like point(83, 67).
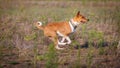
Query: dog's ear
point(78, 13)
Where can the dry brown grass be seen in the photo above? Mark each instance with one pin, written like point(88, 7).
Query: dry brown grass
point(22, 45)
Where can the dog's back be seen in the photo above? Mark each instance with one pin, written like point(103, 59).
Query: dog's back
point(51, 28)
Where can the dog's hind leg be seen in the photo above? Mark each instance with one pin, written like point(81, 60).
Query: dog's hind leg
point(63, 39)
point(59, 48)
point(68, 39)
point(55, 40)
point(61, 43)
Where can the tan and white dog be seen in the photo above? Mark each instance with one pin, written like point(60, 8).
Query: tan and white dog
point(63, 29)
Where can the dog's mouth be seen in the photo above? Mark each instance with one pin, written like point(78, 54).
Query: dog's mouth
point(84, 21)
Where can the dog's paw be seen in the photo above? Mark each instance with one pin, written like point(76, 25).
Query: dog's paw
point(59, 48)
point(68, 43)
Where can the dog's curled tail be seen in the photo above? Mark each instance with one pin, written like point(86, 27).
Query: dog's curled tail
point(39, 25)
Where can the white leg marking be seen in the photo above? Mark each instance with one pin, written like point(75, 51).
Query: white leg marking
point(60, 34)
point(60, 43)
point(57, 47)
point(68, 39)
point(74, 22)
point(63, 39)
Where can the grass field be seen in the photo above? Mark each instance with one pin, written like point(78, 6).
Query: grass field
point(94, 44)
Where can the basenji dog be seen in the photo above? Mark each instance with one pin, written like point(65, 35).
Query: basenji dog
point(55, 29)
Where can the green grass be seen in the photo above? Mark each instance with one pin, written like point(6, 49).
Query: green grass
point(30, 37)
point(89, 58)
point(52, 60)
point(17, 30)
point(35, 56)
point(14, 62)
point(78, 62)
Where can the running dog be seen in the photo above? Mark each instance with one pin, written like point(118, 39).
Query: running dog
point(55, 29)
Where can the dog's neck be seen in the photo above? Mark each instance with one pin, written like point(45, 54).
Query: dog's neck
point(73, 25)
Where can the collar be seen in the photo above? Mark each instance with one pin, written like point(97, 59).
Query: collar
point(72, 24)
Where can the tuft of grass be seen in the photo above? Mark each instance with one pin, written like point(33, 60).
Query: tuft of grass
point(41, 57)
point(78, 63)
point(95, 37)
point(14, 62)
point(89, 56)
point(1, 66)
point(35, 56)
point(30, 37)
point(52, 60)
point(78, 58)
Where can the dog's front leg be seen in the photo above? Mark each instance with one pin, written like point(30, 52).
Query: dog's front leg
point(63, 39)
point(56, 43)
point(61, 43)
point(68, 39)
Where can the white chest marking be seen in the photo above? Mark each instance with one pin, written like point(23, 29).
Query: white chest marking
point(73, 22)
point(72, 28)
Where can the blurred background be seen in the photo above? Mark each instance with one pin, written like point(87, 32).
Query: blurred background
point(95, 44)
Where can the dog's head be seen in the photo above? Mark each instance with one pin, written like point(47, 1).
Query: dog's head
point(80, 18)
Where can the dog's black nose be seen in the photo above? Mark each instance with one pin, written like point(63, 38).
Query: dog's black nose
point(87, 19)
